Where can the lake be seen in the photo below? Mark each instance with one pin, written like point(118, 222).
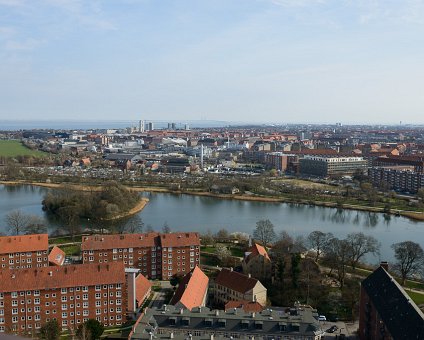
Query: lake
point(197, 213)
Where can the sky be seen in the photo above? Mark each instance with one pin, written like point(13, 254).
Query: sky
point(277, 61)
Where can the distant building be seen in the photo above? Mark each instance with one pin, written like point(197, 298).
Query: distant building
point(24, 251)
point(257, 262)
point(230, 285)
point(203, 323)
point(279, 160)
point(331, 166)
point(386, 311)
point(192, 290)
point(402, 178)
point(247, 306)
point(156, 255)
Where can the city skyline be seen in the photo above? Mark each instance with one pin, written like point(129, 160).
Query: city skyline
point(257, 61)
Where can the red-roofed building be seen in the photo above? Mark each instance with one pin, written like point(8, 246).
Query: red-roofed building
point(257, 262)
point(247, 306)
point(230, 285)
point(143, 289)
point(157, 256)
point(24, 251)
point(192, 290)
point(56, 256)
point(71, 294)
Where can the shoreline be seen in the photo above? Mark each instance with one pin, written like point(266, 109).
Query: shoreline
point(412, 215)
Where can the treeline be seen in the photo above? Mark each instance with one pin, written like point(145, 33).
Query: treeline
point(70, 205)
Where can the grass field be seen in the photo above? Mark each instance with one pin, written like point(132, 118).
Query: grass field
point(13, 148)
point(416, 297)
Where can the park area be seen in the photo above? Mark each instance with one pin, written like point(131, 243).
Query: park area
point(14, 148)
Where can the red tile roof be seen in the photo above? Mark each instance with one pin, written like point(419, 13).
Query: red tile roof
point(178, 239)
point(247, 306)
point(142, 288)
point(57, 256)
point(99, 242)
point(256, 250)
point(235, 281)
point(191, 289)
point(61, 277)
point(23, 243)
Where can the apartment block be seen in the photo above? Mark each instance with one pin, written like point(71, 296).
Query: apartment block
point(331, 166)
point(397, 177)
point(156, 255)
point(69, 294)
point(24, 251)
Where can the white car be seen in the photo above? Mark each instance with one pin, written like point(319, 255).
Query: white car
point(322, 318)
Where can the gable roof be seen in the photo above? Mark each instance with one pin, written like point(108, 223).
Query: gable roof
point(257, 250)
point(57, 256)
point(235, 281)
point(192, 289)
point(61, 276)
point(142, 286)
point(179, 239)
point(23, 243)
point(400, 314)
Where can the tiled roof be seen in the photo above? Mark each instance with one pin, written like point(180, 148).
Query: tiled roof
point(256, 250)
point(247, 306)
point(178, 239)
point(61, 277)
point(191, 289)
point(235, 281)
point(399, 313)
point(57, 256)
point(142, 286)
point(99, 242)
point(23, 243)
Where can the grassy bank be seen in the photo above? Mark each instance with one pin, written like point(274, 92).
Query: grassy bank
point(14, 148)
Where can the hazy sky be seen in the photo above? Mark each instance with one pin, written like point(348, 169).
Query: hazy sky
point(236, 60)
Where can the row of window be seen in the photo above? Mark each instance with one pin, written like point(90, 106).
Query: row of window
point(13, 255)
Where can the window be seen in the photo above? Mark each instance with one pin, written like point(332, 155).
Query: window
point(14, 295)
point(63, 290)
point(64, 298)
point(37, 301)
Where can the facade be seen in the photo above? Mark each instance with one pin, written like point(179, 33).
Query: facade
point(257, 262)
point(71, 294)
point(230, 285)
point(156, 255)
point(398, 178)
point(24, 251)
point(416, 161)
point(202, 323)
point(192, 291)
point(331, 166)
point(386, 311)
point(280, 161)
point(139, 289)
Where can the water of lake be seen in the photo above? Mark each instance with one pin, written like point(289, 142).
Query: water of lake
point(196, 213)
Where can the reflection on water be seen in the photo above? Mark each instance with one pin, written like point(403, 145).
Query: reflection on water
point(189, 212)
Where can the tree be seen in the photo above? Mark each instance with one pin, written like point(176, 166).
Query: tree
point(50, 330)
point(360, 245)
point(264, 232)
point(35, 225)
point(91, 330)
point(175, 280)
point(222, 234)
point(295, 269)
point(222, 253)
point(319, 242)
point(409, 258)
point(134, 225)
point(420, 194)
point(208, 238)
point(166, 229)
point(17, 221)
point(337, 257)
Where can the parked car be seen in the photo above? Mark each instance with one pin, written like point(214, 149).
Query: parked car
point(322, 318)
point(332, 329)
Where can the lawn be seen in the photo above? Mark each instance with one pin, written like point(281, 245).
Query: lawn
point(71, 250)
point(13, 148)
point(416, 297)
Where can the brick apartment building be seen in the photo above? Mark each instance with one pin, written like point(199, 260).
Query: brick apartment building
point(25, 251)
point(158, 256)
point(70, 294)
point(402, 178)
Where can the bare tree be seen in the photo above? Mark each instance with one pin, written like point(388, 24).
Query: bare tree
point(134, 225)
point(35, 225)
point(409, 258)
point(338, 256)
point(166, 229)
point(319, 241)
point(264, 232)
point(360, 245)
point(17, 221)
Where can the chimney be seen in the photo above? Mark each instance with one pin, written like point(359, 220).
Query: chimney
point(385, 265)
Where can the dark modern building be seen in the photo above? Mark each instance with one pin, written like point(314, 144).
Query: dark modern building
point(386, 311)
point(203, 323)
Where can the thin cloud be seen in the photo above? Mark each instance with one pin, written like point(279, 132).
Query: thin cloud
point(24, 45)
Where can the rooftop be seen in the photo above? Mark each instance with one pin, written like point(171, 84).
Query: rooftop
point(23, 243)
point(57, 256)
point(235, 281)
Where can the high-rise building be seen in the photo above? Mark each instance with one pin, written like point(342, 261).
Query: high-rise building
point(141, 126)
